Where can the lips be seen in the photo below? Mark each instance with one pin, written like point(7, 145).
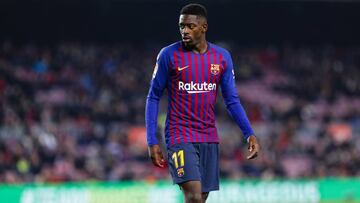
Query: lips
point(186, 39)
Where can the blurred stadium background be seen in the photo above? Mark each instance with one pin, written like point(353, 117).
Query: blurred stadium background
point(74, 77)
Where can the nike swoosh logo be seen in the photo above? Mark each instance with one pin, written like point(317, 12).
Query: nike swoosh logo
point(180, 69)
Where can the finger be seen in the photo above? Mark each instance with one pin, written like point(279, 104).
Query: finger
point(155, 161)
point(252, 155)
point(254, 151)
point(159, 162)
point(161, 157)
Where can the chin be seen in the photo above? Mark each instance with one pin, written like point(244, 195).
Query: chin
point(188, 44)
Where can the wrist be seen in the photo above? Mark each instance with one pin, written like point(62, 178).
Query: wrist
point(248, 139)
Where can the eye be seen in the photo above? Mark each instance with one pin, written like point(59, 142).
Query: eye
point(192, 26)
point(181, 26)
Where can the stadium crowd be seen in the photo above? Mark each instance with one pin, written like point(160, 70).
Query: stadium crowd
point(75, 112)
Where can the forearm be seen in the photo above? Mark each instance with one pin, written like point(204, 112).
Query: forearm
point(231, 99)
point(151, 113)
point(157, 86)
point(238, 113)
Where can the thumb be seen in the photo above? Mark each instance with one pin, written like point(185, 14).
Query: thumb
point(162, 158)
point(251, 148)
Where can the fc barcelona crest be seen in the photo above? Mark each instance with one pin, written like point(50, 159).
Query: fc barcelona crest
point(180, 172)
point(215, 69)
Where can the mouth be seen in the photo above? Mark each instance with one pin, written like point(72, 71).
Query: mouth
point(186, 39)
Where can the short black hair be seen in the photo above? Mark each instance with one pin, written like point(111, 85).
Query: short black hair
point(194, 9)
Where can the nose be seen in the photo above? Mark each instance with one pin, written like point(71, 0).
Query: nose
point(185, 31)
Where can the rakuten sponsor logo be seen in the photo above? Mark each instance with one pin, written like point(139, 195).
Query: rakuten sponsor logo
point(194, 88)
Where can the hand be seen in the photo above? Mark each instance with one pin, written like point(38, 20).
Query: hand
point(254, 147)
point(156, 156)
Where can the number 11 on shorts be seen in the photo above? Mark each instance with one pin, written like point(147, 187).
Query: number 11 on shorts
point(175, 156)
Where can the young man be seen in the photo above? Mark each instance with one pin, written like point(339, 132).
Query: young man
point(192, 70)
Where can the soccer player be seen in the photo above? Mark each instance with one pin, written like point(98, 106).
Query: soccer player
point(192, 70)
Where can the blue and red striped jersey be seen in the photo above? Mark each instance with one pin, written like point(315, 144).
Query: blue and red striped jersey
point(192, 81)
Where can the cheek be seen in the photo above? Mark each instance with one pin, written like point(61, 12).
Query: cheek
point(197, 33)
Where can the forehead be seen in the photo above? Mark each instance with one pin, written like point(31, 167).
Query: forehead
point(188, 19)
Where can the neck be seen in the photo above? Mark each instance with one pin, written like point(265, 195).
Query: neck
point(201, 47)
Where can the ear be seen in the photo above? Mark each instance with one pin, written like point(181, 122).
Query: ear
point(204, 27)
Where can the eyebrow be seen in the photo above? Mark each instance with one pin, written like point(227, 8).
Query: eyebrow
point(187, 23)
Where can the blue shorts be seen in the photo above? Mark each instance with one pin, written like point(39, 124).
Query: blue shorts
point(195, 161)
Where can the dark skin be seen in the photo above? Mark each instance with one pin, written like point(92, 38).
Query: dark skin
point(193, 29)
